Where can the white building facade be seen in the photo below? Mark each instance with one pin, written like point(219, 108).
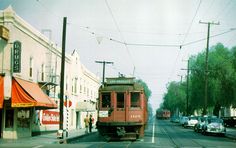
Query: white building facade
point(84, 92)
point(30, 67)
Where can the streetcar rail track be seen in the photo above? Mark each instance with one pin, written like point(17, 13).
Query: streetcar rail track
point(165, 131)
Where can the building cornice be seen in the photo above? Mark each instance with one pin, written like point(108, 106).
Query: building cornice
point(89, 74)
point(8, 16)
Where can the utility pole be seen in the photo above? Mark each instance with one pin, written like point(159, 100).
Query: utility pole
point(104, 63)
point(62, 76)
point(187, 92)
point(187, 88)
point(181, 78)
point(206, 64)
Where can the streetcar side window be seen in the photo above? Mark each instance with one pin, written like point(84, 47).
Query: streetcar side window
point(120, 100)
point(106, 100)
point(135, 99)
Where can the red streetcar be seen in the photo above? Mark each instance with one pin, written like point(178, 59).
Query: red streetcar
point(162, 114)
point(122, 109)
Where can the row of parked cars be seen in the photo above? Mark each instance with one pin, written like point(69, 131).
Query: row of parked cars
point(204, 125)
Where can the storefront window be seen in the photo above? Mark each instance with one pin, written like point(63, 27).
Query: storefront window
point(9, 118)
point(23, 118)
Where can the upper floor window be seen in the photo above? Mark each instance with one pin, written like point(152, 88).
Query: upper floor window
point(88, 92)
point(80, 88)
point(42, 74)
point(72, 86)
point(135, 99)
point(31, 67)
point(66, 82)
point(75, 87)
point(106, 100)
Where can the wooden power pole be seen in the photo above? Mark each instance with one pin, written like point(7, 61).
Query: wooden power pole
point(206, 65)
point(104, 63)
point(62, 76)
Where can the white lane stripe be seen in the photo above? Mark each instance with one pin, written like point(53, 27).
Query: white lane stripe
point(38, 146)
point(153, 131)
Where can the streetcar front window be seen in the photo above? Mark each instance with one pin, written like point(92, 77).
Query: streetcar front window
point(120, 100)
point(106, 100)
point(135, 99)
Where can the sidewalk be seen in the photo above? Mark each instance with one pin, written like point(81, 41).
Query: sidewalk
point(48, 138)
point(52, 137)
point(231, 132)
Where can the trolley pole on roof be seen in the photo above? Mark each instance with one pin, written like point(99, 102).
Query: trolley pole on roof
point(104, 65)
point(206, 65)
point(62, 77)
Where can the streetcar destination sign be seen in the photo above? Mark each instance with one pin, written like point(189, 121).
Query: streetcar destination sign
point(120, 80)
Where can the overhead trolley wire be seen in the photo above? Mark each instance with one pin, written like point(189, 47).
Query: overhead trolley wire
point(109, 8)
point(192, 21)
point(231, 39)
point(49, 10)
point(206, 12)
point(223, 10)
point(160, 45)
point(186, 35)
point(142, 44)
point(212, 36)
point(86, 28)
point(175, 62)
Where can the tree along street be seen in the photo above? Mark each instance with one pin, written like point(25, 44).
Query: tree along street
point(221, 77)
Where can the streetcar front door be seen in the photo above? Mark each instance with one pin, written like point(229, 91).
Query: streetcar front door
point(120, 107)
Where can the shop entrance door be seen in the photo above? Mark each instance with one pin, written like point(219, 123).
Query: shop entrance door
point(1, 123)
point(78, 118)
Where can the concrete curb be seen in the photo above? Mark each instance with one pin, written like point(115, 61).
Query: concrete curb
point(69, 139)
point(230, 136)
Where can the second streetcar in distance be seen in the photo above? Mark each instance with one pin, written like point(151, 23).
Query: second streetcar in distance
point(163, 114)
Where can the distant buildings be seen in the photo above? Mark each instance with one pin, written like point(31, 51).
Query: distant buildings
point(30, 78)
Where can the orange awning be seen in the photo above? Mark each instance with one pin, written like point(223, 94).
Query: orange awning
point(1, 91)
point(29, 94)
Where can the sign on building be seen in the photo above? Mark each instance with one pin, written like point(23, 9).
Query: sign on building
point(4, 33)
point(17, 56)
point(50, 117)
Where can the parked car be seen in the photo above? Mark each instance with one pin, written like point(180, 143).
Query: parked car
point(229, 121)
point(201, 121)
point(174, 119)
point(183, 120)
point(192, 120)
point(214, 126)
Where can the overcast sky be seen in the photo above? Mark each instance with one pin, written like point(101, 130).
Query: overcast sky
point(141, 37)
